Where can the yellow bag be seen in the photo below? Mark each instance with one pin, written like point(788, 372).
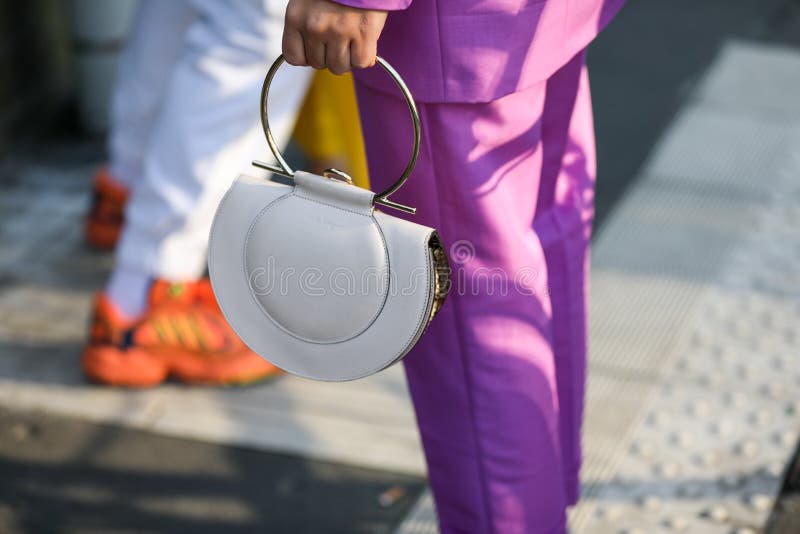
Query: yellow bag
point(328, 128)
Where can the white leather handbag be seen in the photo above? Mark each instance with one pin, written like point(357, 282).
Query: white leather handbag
point(316, 279)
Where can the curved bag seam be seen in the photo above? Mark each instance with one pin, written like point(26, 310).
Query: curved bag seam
point(422, 319)
point(372, 320)
point(406, 348)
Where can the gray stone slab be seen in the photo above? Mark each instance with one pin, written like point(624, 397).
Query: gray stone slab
point(756, 76)
point(712, 428)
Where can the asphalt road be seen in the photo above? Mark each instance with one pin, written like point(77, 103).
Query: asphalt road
point(64, 475)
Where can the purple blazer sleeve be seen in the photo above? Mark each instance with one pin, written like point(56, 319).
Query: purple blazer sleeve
point(480, 50)
point(379, 5)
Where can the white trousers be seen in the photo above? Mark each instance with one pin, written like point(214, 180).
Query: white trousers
point(185, 122)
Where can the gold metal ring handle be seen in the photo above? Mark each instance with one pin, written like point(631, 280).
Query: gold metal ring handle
point(283, 167)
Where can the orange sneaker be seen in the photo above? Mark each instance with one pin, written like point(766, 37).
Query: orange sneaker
point(182, 335)
point(107, 212)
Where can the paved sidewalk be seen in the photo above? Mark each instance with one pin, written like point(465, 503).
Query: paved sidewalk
point(310, 444)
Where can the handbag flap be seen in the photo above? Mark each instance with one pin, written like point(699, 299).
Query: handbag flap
point(315, 280)
point(317, 262)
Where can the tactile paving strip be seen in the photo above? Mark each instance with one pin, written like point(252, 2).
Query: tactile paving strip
point(691, 412)
point(708, 453)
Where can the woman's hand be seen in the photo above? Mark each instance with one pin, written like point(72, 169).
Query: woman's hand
point(324, 34)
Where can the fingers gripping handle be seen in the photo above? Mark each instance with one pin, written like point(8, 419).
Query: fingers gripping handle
point(283, 167)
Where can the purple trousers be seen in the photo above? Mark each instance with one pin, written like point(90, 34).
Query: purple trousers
point(498, 379)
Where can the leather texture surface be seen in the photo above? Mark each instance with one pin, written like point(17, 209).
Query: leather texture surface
point(315, 280)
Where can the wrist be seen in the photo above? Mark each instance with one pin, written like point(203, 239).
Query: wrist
point(376, 5)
